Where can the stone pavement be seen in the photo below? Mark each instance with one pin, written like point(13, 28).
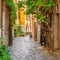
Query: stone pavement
point(24, 48)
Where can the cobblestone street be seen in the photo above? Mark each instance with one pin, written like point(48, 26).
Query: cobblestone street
point(24, 48)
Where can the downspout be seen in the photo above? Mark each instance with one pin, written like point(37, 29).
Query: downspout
point(1, 17)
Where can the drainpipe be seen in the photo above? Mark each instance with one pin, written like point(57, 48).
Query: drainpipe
point(1, 17)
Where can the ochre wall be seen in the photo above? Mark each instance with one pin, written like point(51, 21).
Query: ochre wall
point(22, 17)
point(32, 26)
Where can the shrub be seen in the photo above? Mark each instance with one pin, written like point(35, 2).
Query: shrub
point(4, 54)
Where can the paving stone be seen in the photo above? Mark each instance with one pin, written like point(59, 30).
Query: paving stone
point(24, 48)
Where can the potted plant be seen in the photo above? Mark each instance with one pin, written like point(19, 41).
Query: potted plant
point(19, 31)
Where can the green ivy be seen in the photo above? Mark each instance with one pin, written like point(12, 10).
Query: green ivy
point(44, 8)
point(21, 4)
point(51, 3)
point(4, 54)
point(11, 5)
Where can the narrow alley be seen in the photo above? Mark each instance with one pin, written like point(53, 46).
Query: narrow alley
point(24, 48)
point(29, 29)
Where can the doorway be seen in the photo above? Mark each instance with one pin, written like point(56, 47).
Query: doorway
point(35, 31)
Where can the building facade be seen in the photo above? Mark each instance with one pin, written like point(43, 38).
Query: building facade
point(53, 34)
point(56, 24)
point(5, 30)
point(21, 16)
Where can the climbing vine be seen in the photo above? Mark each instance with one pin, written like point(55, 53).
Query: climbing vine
point(40, 8)
point(11, 5)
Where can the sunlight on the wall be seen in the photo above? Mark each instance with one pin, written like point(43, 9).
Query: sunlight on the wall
point(22, 17)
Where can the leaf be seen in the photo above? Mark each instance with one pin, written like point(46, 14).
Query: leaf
point(4, 54)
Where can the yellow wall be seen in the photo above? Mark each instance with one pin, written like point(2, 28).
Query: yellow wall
point(33, 26)
point(33, 20)
point(22, 17)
